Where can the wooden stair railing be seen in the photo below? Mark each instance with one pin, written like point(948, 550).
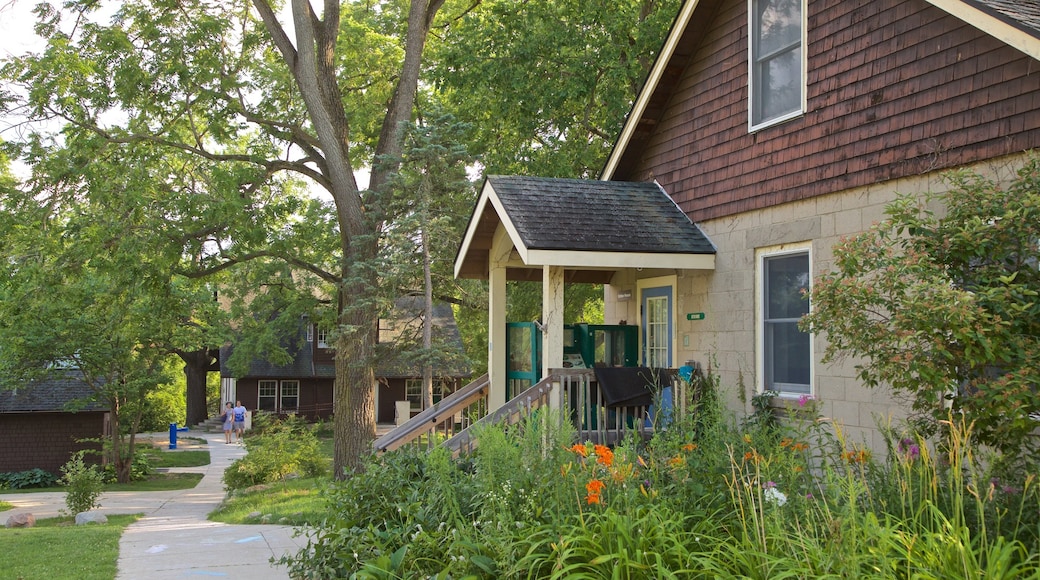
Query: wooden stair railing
point(440, 416)
point(538, 395)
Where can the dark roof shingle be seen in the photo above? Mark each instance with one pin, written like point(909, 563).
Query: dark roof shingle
point(602, 216)
point(1023, 14)
point(62, 392)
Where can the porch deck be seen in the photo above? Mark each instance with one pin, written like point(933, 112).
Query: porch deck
point(595, 415)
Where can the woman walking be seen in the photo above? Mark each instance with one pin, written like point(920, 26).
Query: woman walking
point(229, 421)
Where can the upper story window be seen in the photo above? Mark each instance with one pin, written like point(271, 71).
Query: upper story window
point(323, 337)
point(776, 61)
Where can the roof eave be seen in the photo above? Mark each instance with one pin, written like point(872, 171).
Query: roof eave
point(999, 28)
point(649, 88)
point(619, 260)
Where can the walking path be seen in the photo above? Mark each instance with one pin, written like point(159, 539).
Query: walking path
point(174, 539)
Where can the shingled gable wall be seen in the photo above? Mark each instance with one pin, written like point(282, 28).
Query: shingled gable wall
point(896, 88)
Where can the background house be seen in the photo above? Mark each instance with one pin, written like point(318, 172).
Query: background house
point(780, 127)
point(45, 422)
point(305, 386)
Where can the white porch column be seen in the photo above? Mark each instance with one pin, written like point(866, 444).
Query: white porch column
point(497, 337)
point(552, 315)
point(228, 391)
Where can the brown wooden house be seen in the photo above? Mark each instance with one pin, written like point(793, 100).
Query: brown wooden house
point(305, 386)
point(44, 422)
point(777, 127)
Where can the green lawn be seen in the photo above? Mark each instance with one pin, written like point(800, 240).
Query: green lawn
point(294, 502)
point(186, 458)
point(56, 549)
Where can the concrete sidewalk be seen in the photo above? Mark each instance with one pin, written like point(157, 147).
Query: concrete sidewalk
point(174, 539)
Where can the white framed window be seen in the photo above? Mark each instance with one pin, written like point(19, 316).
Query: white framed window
point(413, 392)
point(267, 396)
point(776, 61)
point(323, 337)
point(784, 352)
point(289, 398)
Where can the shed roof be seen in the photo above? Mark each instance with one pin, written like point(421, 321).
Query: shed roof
point(592, 228)
point(61, 392)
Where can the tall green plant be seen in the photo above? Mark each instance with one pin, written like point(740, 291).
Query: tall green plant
point(944, 306)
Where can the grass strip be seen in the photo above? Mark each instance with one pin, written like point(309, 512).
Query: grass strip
point(57, 549)
point(154, 482)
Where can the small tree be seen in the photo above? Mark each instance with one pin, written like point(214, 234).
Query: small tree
point(944, 306)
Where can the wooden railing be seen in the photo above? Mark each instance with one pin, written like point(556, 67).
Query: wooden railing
point(441, 421)
point(538, 395)
point(572, 389)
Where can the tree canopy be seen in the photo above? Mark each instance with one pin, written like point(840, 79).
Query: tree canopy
point(208, 117)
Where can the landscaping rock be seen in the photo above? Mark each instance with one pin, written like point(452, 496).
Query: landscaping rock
point(22, 520)
point(84, 518)
point(254, 515)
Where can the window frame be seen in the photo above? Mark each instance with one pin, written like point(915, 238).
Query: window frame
point(282, 407)
point(752, 63)
point(762, 360)
point(321, 337)
point(260, 396)
point(415, 399)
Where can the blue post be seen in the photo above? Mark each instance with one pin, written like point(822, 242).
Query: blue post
point(173, 435)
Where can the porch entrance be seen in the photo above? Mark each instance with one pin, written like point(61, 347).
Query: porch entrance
point(585, 346)
point(657, 327)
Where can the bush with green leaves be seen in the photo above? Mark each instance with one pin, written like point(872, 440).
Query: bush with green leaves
point(35, 477)
point(941, 300)
point(284, 449)
point(710, 497)
point(83, 484)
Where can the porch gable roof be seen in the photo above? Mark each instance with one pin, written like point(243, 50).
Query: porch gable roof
point(592, 228)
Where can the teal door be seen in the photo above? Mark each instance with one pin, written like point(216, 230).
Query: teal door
point(523, 352)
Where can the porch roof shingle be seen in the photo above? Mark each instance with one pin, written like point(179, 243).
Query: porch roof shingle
point(600, 216)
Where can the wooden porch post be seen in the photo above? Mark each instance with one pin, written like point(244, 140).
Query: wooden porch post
point(497, 337)
point(552, 315)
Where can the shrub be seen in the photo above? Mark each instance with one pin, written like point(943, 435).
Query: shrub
point(283, 449)
point(943, 307)
point(83, 484)
point(25, 479)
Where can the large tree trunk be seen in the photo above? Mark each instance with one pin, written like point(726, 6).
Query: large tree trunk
point(196, 367)
point(355, 418)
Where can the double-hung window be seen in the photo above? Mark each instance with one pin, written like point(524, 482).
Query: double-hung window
point(268, 395)
point(323, 337)
point(776, 61)
point(785, 352)
point(290, 396)
point(413, 392)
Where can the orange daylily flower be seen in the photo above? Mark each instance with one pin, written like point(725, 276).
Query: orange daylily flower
point(594, 487)
point(604, 456)
point(580, 449)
